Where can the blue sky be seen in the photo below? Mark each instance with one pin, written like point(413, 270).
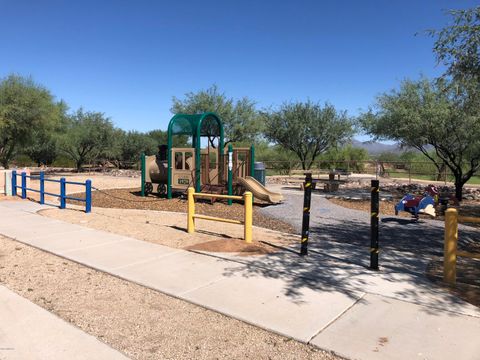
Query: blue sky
point(128, 58)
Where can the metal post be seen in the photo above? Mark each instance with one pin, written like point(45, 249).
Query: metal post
point(24, 185)
point(307, 199)
point(14, 183)
point(252, 160)
point(375, 209)
point(88, 196)
point(42, 187)
point(230, 172)
point(248, 199)
point(63, 188)
point(142, 169)
point(191, 210)
point(252, 163)
point(450, 247)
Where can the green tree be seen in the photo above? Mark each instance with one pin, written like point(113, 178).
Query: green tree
point(457, 46)
point(276, 158)
point(134, 143)
point(43, 147)
point(25, 108)
point(160, 138)
point(307, 129)
point(346, 157)
point(427, 115)
point(89, 135)
point(240, 118)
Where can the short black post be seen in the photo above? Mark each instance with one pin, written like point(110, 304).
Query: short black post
point(307, 197)
point(374, 211)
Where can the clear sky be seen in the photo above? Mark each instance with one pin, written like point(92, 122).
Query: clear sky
point(128, 58)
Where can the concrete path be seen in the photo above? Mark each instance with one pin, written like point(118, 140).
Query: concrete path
point(332, 303)
point(29, 332)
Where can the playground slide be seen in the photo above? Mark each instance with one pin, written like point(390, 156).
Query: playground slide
point(259, 191)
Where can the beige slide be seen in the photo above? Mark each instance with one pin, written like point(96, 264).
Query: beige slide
point(259, 191)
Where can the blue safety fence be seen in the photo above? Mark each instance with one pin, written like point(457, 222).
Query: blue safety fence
point(63, 189)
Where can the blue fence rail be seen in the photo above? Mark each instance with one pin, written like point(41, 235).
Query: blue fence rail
point(63, 189)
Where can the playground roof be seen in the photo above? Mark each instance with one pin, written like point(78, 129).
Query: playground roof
point(207, 124)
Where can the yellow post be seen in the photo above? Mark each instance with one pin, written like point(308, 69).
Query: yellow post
point(248, 200)
point(450, 248)
point(191, 211)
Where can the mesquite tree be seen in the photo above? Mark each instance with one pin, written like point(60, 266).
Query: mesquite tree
point(26, 108)
point(428, 115)
point(307, 129)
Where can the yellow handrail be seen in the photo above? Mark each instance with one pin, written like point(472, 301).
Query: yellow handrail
point(247, 200)
point(450, 247)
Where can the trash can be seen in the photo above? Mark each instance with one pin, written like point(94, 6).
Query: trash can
point(259, 172)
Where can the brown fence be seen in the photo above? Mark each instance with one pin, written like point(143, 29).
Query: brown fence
point(394, 169)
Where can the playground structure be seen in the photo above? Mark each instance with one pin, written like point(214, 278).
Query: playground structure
point(212, 169)
point(422, 204)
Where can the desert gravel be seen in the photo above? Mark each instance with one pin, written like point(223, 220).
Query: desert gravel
point(142, 323)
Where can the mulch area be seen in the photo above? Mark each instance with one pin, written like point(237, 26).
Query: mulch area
point(131, 199)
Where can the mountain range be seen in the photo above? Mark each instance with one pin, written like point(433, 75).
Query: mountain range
point(376, 148)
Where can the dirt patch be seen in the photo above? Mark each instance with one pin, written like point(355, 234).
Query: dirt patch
point(131, 199)
point(468, 279)
point(235, 246)
point(142, 323)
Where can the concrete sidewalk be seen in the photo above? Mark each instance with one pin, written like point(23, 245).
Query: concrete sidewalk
point(29, 332)
point(336, 305)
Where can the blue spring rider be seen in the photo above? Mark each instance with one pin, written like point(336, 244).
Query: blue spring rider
point(422, 204)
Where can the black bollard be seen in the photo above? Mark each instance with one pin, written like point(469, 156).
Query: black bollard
point(375, 209)
point(307, 198)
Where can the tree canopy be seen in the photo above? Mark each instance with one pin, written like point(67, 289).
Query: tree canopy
point(89, 135)
point(427, 114)
point(133, 144)
point(25, 108)
point(307, 129)
point(457, 46)
point(240, 118)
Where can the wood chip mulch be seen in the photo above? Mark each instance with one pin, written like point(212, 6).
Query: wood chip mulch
point(131, 199)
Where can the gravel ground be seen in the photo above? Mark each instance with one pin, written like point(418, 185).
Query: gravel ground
point(142, 323)
point(406, 246)
point(130, 199)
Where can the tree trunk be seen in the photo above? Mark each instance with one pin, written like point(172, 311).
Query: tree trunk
point(79, 164)
point(459, 182)
point(441, 173)
point(459, 191)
